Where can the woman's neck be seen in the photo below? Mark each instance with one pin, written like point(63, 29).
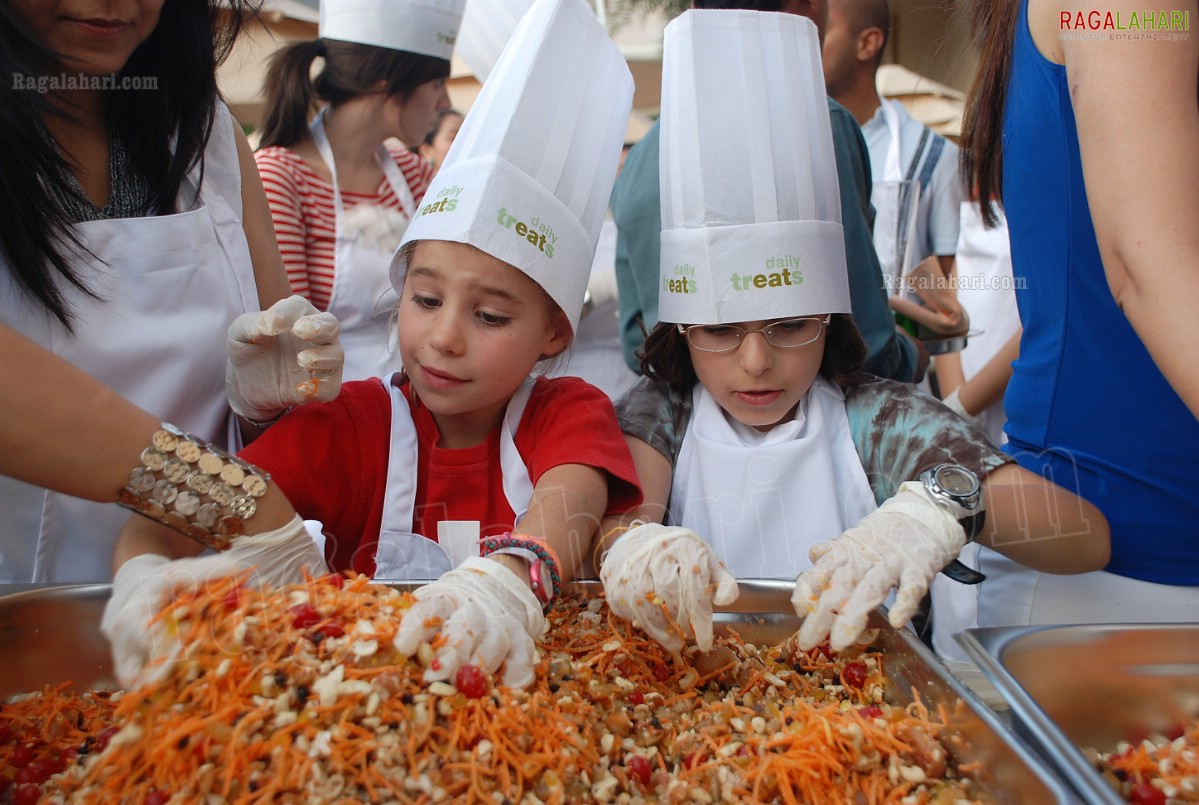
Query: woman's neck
point(354, 134)
point(81, 134)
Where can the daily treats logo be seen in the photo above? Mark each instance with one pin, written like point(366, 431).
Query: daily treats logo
point(535, 231)
point(781, 272)
point(447, 201)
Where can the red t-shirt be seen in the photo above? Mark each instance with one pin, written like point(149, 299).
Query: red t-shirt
point(331, 461)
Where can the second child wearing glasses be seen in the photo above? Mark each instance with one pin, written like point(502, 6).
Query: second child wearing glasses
point(759, 445)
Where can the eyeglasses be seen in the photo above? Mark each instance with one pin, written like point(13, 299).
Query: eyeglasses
point(785, 334)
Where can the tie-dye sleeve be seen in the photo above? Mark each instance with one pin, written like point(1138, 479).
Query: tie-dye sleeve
point(656, 414)
point(899, 432)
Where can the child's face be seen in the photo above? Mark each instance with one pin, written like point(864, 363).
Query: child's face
point(471, 328)
point(759, 384)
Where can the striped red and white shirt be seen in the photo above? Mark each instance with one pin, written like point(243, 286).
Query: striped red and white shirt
point(304, 216)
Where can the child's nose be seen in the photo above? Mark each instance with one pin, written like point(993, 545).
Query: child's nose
point(755, 353)
point(446, 334)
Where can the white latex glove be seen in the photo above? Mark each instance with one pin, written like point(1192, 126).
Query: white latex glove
point(954, 403)
point(284, 356)
point(904, 543)
point(488, 617)
point(143, 586)
point(652, 567)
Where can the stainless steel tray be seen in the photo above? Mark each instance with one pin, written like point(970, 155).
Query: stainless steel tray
point(1090, 686)
point(52, 635)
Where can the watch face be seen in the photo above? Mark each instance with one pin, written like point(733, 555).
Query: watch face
point(957, 481)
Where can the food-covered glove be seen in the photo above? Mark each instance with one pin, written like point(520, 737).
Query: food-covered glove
point(664, 580)
point(284, 356)
point(143, 586)
point(486, 615)
point(903, 543)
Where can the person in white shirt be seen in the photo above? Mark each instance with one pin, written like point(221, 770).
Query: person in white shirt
point(901, 148)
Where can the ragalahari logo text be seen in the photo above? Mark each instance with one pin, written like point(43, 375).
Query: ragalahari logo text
point(1122, 24)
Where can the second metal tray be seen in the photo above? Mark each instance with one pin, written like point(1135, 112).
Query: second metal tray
point(1092, 686)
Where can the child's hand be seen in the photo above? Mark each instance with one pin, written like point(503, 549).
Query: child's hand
point(487, 617)
point(664, 581)
point(904, 543)
point(287, 355)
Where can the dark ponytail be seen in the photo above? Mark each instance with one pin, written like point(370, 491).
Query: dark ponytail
point(350, 70)
point(981, 158)
point(290, 95)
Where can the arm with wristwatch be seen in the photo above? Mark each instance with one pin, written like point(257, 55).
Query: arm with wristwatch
point(902, 545)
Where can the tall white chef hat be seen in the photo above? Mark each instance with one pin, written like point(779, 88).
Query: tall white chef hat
point(486, 27)
point(429, 27)
point(528, 177)
point(751, 210)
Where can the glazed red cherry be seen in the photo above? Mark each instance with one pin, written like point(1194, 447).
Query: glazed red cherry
point(103, 738)
point(156, 797)
point(855, 674)
point(471, 682)
point(639, 767)
point(1146, 794)
point(661, 672)
point(304, 616)
point(27, 794)
point(21, 757)
point(636, 697)
point(870, 711)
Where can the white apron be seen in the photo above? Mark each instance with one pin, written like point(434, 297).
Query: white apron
point(896, 200)
point(401, 553)
point(362, 298)
point(761, 506)
point(169, 286)
point(1014, 595)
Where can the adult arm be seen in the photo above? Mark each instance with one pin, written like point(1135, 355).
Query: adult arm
point(1142, 179)
point(899, 433)
point(62, 429)
point(66, 431)
point(989, 383)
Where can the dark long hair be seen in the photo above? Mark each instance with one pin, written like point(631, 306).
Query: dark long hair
point(165, 129)
point(667, 359)
point(982, 122)
point(351, 69)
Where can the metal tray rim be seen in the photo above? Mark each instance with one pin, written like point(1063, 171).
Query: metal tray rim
point(985, 645)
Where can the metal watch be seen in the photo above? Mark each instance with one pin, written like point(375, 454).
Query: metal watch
point(960, 492)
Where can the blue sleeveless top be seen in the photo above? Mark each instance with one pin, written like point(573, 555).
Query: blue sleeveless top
point(1086, 405)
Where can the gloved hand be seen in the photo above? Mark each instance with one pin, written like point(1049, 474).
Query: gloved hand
point(953, 403)
point(664, 580)
point(286, 355)
point(903, 543)
point(143, 586)
point(487, 615)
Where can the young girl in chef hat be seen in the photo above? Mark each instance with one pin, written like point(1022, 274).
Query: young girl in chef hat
point(340, 196)
point(491, 274)
point(753, 437)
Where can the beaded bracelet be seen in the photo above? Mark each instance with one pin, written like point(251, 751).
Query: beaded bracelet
point(542, 551)
point(195, 488)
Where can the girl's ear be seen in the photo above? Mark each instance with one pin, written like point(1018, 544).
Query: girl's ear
point(558, 335)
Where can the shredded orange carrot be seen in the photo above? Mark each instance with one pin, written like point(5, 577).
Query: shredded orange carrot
point(297, 694)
